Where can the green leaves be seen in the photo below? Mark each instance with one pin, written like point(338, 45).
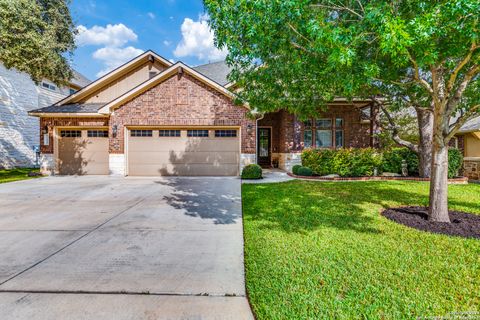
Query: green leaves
point(46, 41)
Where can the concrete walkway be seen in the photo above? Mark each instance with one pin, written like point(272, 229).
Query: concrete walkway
point(99, 247)
point(271, 176)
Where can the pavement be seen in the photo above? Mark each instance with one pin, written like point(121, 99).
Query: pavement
point(271, 176)
point(99, 247)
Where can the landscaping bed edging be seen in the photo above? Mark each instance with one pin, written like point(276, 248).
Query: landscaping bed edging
point(463, 224)
point(459, 180)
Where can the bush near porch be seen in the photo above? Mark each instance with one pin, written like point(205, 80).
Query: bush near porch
point(352, 162)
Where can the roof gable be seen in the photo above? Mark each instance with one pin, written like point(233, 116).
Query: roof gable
point(113, 75)
point(178, 67)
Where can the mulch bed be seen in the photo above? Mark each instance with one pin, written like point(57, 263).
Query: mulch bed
point(462, 224)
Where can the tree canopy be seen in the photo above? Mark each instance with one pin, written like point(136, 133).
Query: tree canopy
point(37, 37)
point(300, 54)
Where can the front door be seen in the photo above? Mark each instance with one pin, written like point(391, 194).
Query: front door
point(264, 155)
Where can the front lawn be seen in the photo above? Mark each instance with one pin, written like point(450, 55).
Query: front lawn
point(317, 250)
point(16, 174)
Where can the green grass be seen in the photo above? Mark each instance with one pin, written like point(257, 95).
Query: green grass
point(321, 250)
point(16, 174)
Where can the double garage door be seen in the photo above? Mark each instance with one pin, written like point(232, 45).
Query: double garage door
point(183, 152)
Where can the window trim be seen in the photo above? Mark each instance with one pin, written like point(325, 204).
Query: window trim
point(226, 133)
point(177, 133)
point(191, 131)
point(67, 133)
point(149, 133)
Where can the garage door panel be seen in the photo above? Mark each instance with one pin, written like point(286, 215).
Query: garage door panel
point(83, 156)
point(184, 170)
point(187, 156)
point(183, 157)
point(182, 144)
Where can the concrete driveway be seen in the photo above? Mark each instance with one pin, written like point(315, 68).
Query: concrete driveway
point(100, 247)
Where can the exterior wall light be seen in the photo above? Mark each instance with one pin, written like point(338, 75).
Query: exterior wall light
point(114, 130)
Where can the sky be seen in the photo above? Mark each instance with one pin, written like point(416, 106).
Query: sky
point(111, 32)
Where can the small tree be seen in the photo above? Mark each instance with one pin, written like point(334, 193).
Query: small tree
point(416, 53)
point(37, 37)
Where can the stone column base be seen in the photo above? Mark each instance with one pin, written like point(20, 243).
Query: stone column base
point(471, 168)
point(116, 163)
point(47, 164)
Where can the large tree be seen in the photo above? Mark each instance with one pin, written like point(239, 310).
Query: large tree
point(37, 37)
point(299, 54)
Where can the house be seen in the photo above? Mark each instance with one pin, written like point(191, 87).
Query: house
point(153, 117)
point(468, 140)
point(19, 133)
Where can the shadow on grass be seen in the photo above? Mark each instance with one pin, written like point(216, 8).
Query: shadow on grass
point(303, 206)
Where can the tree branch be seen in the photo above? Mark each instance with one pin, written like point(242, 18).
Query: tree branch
point(461, 121)
point(417, 77)
point(453, 101)
point(394, 129)
point(459, 67)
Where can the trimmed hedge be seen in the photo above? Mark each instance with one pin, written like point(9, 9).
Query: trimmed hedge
point(392, 160)
point(455, 162)
point(362, 162)
point(295, 168)
point(252, 171)
point(304, 171)
point(344, 162)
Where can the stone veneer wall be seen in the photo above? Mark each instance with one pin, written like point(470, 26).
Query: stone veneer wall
point(471, 168)
point(19, 132)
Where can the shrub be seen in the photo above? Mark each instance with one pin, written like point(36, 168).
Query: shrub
point(252, 171)
point(392, 160)
point(295, 168)
point(455, 161)
point(344, 162)
point(304, 171)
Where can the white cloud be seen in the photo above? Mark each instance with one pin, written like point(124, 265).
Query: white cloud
point(198, 40)
point(151, 15)
point(114, 57)
point(167, 43)
point(115, 35)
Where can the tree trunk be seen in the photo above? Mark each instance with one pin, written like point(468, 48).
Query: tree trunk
point(438, 210)
point(425, 130)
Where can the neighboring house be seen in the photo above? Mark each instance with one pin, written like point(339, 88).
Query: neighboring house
point(468, 139)
point(19, 133)
point(151, 117)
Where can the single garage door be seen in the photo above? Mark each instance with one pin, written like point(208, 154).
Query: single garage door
point(183, 152)
point(83, 152)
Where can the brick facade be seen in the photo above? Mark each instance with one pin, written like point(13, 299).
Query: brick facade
point(182, 101)
point(288, 131)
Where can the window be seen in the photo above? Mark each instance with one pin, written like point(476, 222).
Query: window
point(97, 133)
point(307, 134)
point(328, 133)
point(169, 133)
point(72, 91)
point(70, 133)
point(226, 133)
point(323, 137)
point(338, 133)
point(49, 86)
point(141, 133)
point(197, 133)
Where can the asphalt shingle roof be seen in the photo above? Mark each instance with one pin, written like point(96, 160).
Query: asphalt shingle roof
point(79, 79)
point(217, 71)
point(471, 125)
point(71, 108)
